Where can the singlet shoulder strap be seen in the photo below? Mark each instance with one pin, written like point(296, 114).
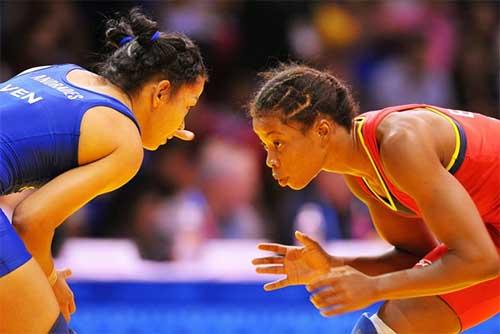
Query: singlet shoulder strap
point(105, 100)
point(33, 69)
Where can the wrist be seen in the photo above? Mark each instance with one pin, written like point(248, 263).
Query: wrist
point(52, 278)
point(336, 261)
point(379, 287)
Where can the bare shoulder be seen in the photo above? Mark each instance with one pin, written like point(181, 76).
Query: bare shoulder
point(410, 122)
point(410, 148)
point(409, 132)
point(103, 131)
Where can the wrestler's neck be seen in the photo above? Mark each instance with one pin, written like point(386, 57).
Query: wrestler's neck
point(346, 155)
point(97, 83)
point(139, 103)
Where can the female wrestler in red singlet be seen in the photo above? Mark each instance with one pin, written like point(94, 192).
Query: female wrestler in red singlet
point(430, 177)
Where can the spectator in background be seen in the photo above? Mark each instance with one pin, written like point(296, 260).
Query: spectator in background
point(214, 200)
point(229, 182)
point(40, 33)
point(420, 39)
point(477, 65)
point(405, 78)
point(327, 210)
point(352, 216)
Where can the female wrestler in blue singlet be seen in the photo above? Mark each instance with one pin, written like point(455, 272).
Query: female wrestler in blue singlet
point(75, 135)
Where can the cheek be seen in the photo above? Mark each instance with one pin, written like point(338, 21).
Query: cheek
point(307, 162)
point(168, 119)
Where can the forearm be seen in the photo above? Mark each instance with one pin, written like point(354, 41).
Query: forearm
point(39, 243)
point(39, 214)
point(35, 220)
point(448, 274)
point(391, 261)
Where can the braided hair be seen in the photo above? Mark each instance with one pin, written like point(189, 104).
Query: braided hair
point(301, 93)
point(140, 52)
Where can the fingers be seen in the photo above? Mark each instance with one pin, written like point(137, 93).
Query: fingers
point(68, 307)
point(329, 302)
point(184, 135)
point(64, 294)
point(277, 270)
point(324, 298)
point(271, 247)
point(330, 279)
point(337, 309)
point(268, 260)
point(65, 273)
point(323, 281)
point(276, 284)
point(305, 239)
point(65, 312)
point(72, 305)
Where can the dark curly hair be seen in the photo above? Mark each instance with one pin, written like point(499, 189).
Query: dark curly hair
point(301, 93)
point(172, 55)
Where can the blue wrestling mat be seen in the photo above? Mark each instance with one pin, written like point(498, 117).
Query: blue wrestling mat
point(213, 308)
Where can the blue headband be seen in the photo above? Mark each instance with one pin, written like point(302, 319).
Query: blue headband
point(155, 36)
point(125, 40)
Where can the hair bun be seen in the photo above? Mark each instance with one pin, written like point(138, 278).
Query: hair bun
point(142, 26)
point(116, 30)
point(136, 24)
point(170, 53)
point(148, 53)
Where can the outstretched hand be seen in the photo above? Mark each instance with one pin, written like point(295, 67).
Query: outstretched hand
point(300, 265)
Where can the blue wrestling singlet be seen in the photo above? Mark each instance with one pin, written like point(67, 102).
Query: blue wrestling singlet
point(13, 253)
point(40, 117)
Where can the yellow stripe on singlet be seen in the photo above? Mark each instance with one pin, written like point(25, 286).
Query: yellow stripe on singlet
point(457, 136)
point(359, 125)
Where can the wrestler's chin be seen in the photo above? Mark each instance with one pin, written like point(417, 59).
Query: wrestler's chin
point(297, 185)
point(150, 148)
point(153, 146)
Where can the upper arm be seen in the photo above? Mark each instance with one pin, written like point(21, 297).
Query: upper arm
point(111, 155)
point(411, 162)
point(104, 130)
point(408, 234)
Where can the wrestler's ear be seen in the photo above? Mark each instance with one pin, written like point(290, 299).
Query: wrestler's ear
point(323, 128)
point(161, 93)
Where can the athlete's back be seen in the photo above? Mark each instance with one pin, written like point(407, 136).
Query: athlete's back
point(40, 117)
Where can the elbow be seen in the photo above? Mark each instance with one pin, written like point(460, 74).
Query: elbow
point(130, 161)
point(19, 221)
point(492, 269)
point(24, 222)
point(488, 267)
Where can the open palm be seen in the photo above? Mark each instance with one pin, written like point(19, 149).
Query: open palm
point(300, 265)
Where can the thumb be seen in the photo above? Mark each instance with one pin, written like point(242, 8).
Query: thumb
point(65, 273)
point(184, 135)
point(305, 239)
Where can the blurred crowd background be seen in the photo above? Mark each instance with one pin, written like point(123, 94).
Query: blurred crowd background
point(389, 52)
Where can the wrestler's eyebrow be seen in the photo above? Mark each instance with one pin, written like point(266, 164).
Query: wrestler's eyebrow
point(272, 132)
